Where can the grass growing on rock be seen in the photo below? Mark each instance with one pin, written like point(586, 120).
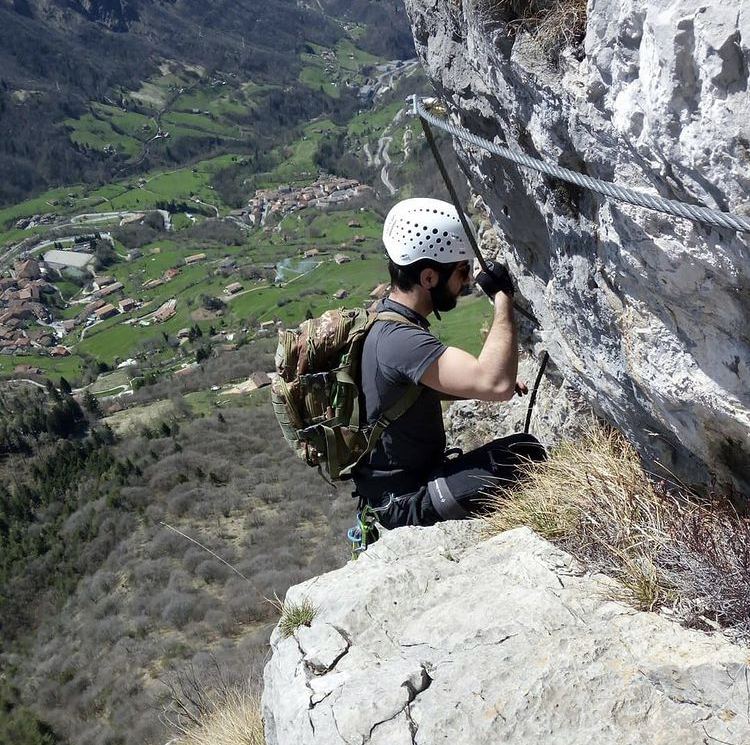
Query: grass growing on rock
point(212, 710)
point(668, 547)
point(552, 24)
point(294, 615)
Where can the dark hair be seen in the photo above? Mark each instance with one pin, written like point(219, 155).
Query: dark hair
point(405, 277)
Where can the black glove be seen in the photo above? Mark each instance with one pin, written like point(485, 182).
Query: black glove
point(495, 279)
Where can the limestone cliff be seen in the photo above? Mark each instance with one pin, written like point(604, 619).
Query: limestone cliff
point(644, 314)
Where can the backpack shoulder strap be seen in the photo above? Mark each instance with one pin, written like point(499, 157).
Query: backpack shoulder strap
point(387, 417)
point(392, 315)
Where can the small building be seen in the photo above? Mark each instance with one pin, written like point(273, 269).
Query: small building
point(228, 347)
point(310, 253)
point(59, 351)
point(185, 370)
point(233, 289)
point(127, 304)
point(340, 294)
point(153, 283)
point(28, 269)
point(156, 250)
point(227, 264)
point(170, 274)
point(109, 289)
point(27, 370)
point(354, 224)
point(100, 282)
point(165, 311)
point(106, 311)
point(92, 307)
point(194, 258)
point(258, 380)
point(359, 238)
point(341, 258)
point(268, 325)
point(68, 259)
point(133, 254)
point(183, 333)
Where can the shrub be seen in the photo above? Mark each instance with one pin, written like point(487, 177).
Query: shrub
point(665, 547)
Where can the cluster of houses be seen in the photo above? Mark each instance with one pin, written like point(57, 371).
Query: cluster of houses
point(24, 317)
point(31, 222)
point(324, 192)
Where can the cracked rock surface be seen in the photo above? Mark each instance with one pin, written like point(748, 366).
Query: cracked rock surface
point(644, 314)
point(437, 636)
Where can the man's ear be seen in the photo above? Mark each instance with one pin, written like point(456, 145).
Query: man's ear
point(428, 278)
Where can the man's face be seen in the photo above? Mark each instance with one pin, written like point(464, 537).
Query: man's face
point(446, 298)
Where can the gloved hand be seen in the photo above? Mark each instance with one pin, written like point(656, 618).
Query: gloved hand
point(495, 280)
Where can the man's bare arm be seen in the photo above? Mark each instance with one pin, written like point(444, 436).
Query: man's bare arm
point(489, 377)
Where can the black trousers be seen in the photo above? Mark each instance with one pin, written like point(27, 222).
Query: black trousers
point(457, 488)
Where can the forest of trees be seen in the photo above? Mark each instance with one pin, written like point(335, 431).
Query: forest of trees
point(109, 603)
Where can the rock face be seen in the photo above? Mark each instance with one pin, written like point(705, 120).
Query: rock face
point(646, 315)
point(435, 636)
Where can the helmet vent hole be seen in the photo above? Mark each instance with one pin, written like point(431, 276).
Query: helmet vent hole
point(447, 243)
point(438, 240)
point(434, 230)
point(445, 233)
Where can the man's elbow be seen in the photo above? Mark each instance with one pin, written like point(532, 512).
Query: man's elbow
point(498, 390)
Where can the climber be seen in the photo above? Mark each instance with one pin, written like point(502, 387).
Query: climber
point(409, 478)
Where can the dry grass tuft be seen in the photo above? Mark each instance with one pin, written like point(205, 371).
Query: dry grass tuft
point(233, 719)
point(553, 24)
point(665, 547)
point(294, 615)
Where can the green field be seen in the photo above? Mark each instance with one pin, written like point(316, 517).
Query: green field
point(330, 70)
point(68, 367)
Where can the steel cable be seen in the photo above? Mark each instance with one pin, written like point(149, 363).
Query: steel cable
point(631, 196)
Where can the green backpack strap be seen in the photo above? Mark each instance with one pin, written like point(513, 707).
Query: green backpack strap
point(392, 315)
point(412, 393)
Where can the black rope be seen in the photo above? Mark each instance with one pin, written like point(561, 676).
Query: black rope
point(454, 196)
point(532, 400)
point(457, 204)
point(472, 242)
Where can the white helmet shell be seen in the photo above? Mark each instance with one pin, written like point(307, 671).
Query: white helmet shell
point(422, 228)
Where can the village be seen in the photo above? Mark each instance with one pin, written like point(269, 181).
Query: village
point(27, 319)
point(325, 191)
point(31, 317)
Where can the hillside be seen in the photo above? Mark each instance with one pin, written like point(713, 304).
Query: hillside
point(60, 61)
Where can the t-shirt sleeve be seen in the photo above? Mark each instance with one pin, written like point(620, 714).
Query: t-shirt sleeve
point(405, 352)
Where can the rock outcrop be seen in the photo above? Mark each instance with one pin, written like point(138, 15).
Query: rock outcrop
point(646, 315)
point(435, 635)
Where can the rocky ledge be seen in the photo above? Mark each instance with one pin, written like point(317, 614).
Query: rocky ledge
point(438, 636)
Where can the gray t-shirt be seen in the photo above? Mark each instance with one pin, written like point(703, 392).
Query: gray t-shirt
point(394, 356)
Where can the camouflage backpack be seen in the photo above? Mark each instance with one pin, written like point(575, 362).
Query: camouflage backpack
point(316, 396)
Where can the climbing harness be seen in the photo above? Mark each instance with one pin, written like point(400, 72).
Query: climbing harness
point(631, 196)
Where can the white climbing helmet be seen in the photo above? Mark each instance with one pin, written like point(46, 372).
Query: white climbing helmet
point(423, 228)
